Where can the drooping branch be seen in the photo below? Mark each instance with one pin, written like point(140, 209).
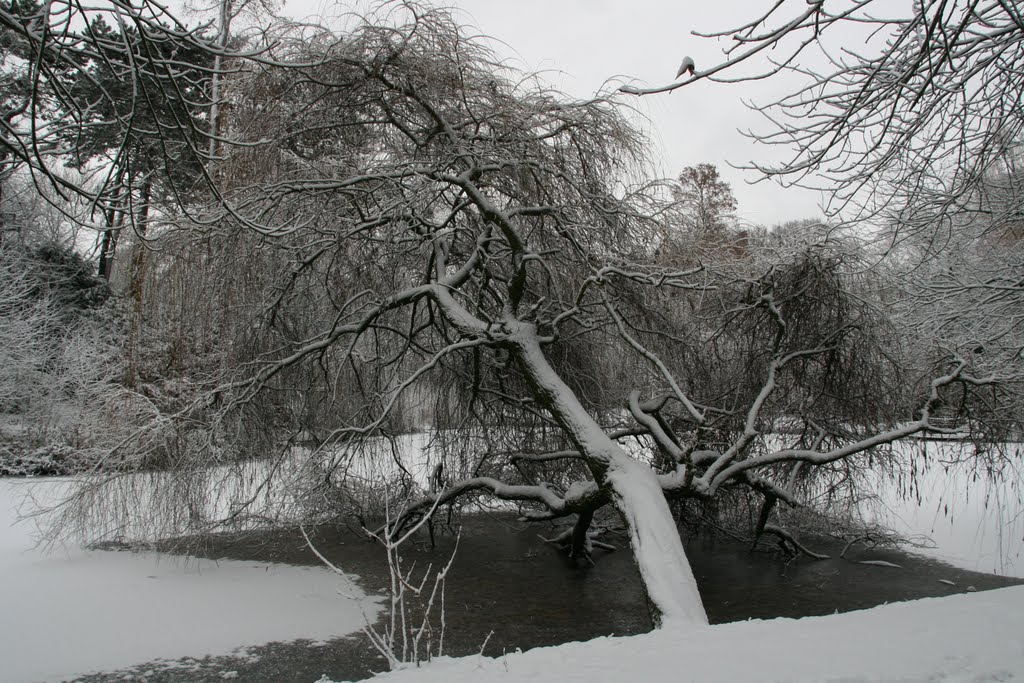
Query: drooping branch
point(814, 457)
point(581, 498)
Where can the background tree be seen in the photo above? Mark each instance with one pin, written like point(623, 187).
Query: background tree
point(707, 200)
point(15, 92)
point(165, 102)
point(702, 224)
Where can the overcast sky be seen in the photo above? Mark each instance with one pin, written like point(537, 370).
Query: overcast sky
point(580, 44)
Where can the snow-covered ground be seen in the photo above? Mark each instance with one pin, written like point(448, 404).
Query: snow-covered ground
point(975, 637)
point(70, 611)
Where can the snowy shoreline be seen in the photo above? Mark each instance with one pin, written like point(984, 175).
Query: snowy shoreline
point(972, 637)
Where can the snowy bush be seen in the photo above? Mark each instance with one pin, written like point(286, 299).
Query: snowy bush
point(40, 462)
point(56, 365)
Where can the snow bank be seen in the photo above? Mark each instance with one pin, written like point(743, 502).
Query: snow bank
point(73, 612)
point(974, 637)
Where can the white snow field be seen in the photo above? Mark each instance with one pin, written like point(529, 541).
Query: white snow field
point(71, 612)
point(968, 638)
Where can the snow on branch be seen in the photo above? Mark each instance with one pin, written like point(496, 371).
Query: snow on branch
point(816, 457)
point(653, 358)
point(555, 504)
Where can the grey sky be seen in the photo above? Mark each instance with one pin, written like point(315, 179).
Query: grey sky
point(580, 44)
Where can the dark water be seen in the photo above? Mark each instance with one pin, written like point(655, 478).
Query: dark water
point(509, 587)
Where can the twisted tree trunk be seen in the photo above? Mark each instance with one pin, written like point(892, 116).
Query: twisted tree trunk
point(653, 536)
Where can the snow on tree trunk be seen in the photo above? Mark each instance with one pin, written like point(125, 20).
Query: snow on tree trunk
point(653, 535)
point(657, 549)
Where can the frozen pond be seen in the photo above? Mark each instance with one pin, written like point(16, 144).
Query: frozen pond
point(72, 611)
point(975, 522)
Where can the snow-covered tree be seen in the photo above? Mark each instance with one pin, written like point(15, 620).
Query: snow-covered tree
point(708, 201)
point(458, 232)
point(908, 119)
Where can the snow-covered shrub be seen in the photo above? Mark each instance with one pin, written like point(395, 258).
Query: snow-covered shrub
point(16, 461)
point(56, 361)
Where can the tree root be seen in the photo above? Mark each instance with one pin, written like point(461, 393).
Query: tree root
point(790, 544)
point(565, 541)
